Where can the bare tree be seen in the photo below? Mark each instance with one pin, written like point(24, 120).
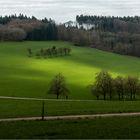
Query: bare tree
point(58, 86)
point(103, 84)
point(94, 91)
point(132, 86)
point(29, 52)
point(119, 86)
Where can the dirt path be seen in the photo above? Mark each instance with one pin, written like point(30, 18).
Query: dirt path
point(71, 117)
point(39, 99)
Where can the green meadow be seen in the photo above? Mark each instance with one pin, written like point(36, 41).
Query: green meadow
point(21, 108)
point(23, 76)
point(99, 128)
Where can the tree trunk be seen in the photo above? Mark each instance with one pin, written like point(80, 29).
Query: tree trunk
point(104, 96)
point(110, 96)
point(134, 97)
point(97, 97)
point(131, 96)
point(57, 96)
point(119, 96)
point(122, 96)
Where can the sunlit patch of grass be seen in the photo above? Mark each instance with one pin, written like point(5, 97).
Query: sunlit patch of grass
point(29, 77)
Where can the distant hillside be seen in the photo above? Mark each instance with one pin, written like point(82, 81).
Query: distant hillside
point(26, 76)
point(115, 34)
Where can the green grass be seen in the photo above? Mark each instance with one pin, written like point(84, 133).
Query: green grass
point(100, 128)
point(29, 77)
point(16, 108)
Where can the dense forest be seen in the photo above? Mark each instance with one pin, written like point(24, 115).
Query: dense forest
point(116, 34)
point(21, 27)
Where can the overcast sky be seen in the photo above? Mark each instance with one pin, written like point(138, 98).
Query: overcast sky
point(64, 10)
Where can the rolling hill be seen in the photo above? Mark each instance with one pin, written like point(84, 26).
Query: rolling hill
point(29, 77)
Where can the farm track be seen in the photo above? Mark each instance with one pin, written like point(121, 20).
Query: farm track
point(71, 117)
point(39, 99)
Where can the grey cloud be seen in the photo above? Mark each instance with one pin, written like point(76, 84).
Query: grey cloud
point(63, 10)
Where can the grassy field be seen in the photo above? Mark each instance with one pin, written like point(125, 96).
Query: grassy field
point(16, 108)
point(101, 128)
point(29, 77)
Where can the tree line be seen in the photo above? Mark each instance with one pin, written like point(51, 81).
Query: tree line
point(49, 52)
point(111, 23)
point(115, 34)
point(21, 27)
point(104, 87)
point(123, 87)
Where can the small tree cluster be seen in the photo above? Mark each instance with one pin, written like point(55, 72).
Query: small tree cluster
point(124, 88)
point(50, 52)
